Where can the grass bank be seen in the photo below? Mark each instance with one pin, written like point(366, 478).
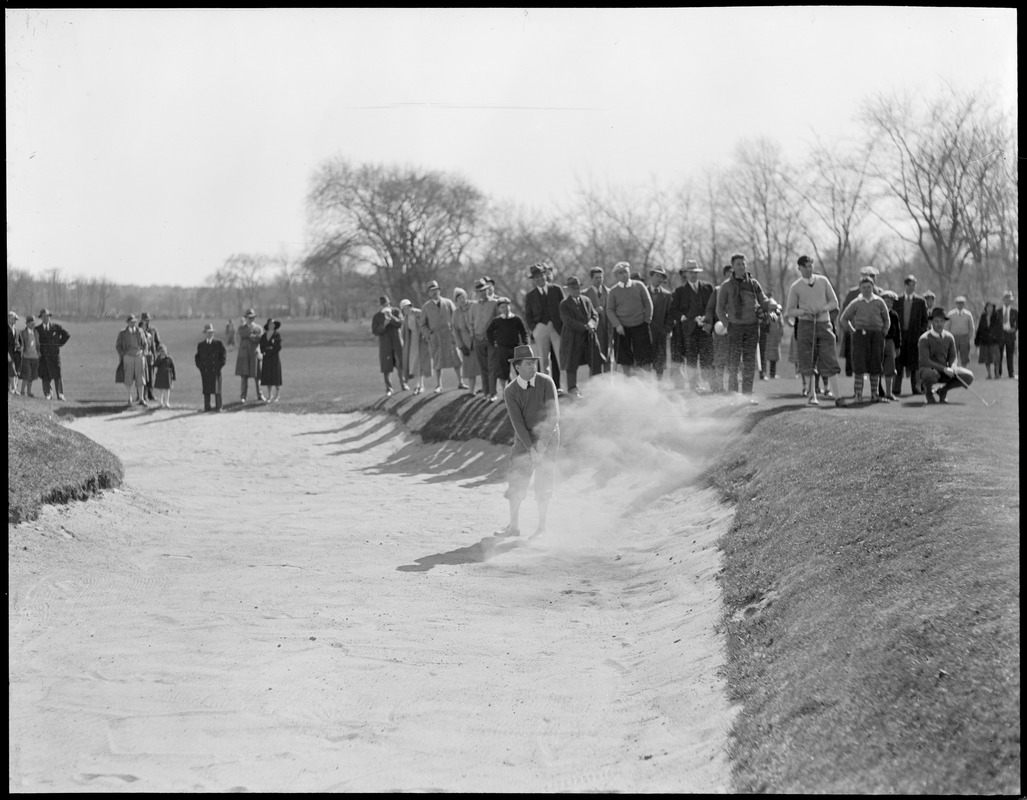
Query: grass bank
point(48, 463)
point(872, 581)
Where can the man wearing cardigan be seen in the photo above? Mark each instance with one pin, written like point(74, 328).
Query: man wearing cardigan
point(534, 412)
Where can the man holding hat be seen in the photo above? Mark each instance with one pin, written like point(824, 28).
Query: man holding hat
point(210, 360)
point(962, 327)
point(741, 302)
point(662, 323)
point(437, 328)
point(1010, 328)
point(542, 315)
point(247, 360)
point(937, 359)
point(690, 343)
point(52, 337)
point(579, 323)
point(911, 310)
point(131, 346)
point(13, 352)
point(534, 412)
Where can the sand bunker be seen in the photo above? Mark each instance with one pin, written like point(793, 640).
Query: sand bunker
point(314, 603)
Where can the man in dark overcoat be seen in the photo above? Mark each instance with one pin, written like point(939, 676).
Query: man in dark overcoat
point(911, 309)
point(386, 325)
point(579, 321)
point(690, 343)
point(210, 360)
point(52, 337)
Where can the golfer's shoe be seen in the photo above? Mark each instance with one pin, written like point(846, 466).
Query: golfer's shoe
point(943, 396)
point(813, 400)
point(930, 397)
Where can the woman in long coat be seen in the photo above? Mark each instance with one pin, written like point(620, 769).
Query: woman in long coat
point(247, 362)
point(271, 366)
point(988, 339)
point(416, 353)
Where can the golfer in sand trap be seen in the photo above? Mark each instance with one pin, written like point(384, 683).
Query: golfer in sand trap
point(534, 413)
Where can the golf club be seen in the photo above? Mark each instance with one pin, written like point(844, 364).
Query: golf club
point(967, 387)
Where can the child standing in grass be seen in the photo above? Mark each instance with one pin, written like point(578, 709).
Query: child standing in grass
point(163, 375)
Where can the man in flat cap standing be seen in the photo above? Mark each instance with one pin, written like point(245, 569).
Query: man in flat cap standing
point(690, 342)
point(742, 302)
point(52, 337)
point(911, 310)
point(962, 327)
point(850, 295)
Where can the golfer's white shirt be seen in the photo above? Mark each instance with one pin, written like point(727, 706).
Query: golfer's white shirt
point(525, 384)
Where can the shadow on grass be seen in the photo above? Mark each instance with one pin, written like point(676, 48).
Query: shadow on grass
point(472, 554)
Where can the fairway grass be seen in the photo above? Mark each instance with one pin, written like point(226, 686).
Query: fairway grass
point(872, 582)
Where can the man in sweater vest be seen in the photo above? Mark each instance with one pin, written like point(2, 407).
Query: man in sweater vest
point(534, 412)
point(629, 308)
point(811, 299)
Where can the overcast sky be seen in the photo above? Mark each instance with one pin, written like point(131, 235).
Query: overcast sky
point(148, 146)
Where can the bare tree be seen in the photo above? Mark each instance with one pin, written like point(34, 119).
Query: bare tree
point(932, 160)
point(407, 225)
point(764, 211)
point(21, 290)
point(624, 224)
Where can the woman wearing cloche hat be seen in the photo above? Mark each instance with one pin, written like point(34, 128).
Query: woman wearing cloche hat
point(271, 366)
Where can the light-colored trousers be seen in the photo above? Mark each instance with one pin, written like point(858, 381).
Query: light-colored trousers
point(545, 335)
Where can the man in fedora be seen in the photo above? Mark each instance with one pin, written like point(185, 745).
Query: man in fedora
point(131, 346)
point(937, 360)
point(534, 412)
point(210, 360)
point(437, 327)
point(911, 310)
point(542, 315)
point(579, 322)
point(690, 343)
point(962, 326)
point(52, 337)
point(662, 323)
point(247, 360)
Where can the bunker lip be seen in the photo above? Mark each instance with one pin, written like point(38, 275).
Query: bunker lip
point(300, 606)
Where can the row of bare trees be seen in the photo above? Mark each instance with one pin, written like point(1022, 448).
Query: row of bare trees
point(928, 186)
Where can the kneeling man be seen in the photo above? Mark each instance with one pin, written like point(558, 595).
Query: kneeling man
point(534, 412)
point(937, 350)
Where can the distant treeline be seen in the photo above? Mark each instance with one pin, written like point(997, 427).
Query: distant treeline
point(926, 186)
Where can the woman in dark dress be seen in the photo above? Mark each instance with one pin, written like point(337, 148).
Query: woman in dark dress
point(989, 339)
point(271, 369)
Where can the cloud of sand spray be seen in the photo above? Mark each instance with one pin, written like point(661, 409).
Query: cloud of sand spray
point(628, 439)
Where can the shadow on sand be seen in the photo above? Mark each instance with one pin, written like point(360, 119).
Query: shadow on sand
point(472, 554)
